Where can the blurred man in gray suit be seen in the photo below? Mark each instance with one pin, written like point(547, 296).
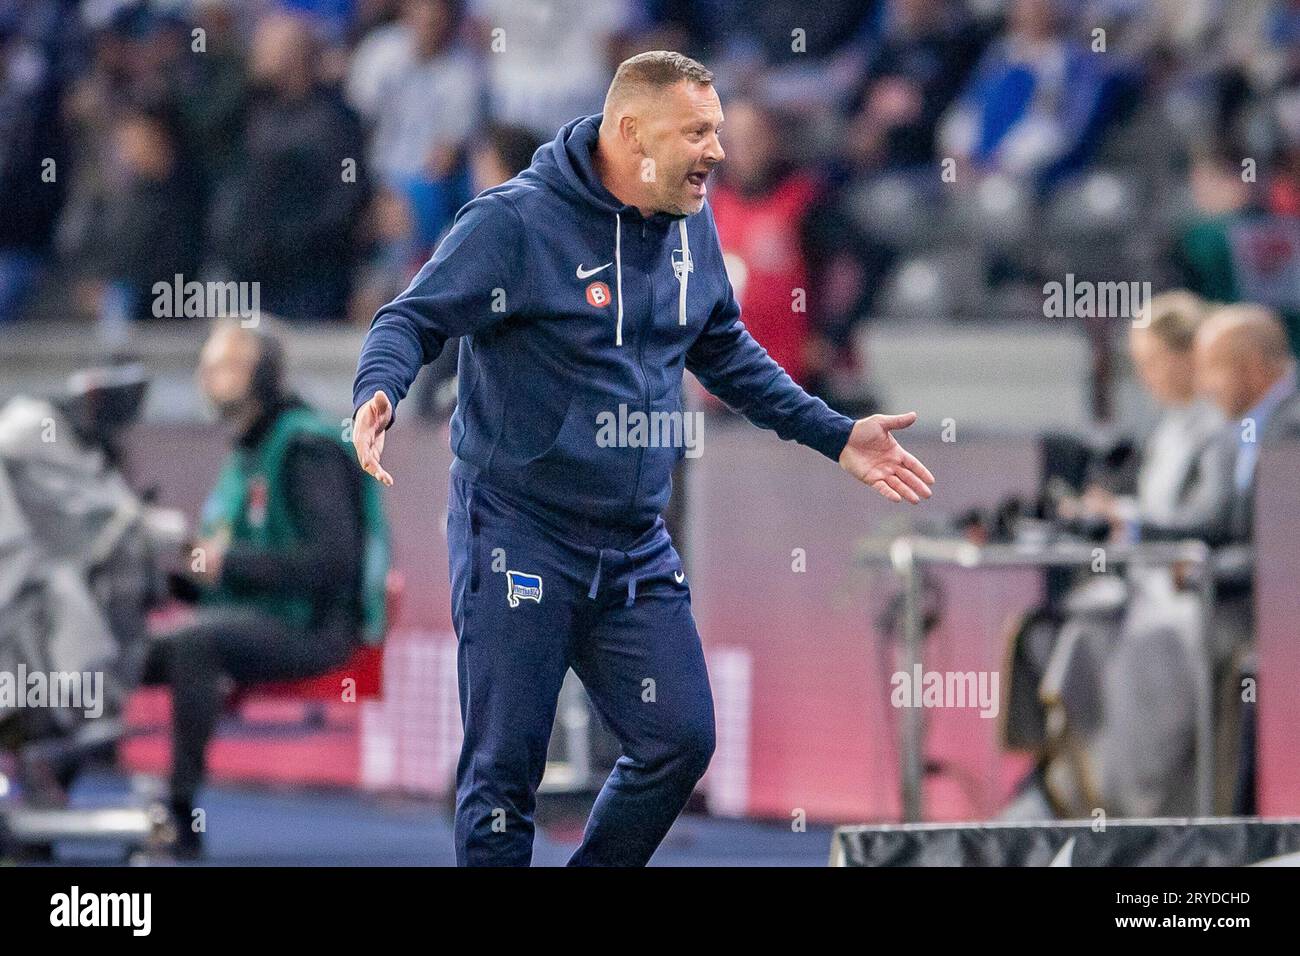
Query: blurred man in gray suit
point(1243, 365)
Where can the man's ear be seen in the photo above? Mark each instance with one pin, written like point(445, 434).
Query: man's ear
point(628, 132)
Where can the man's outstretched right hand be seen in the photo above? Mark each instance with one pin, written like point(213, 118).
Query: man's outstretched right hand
point(368, 435)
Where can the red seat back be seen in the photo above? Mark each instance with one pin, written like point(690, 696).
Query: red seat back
point(365, 666)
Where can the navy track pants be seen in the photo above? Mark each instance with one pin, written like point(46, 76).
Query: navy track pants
point(532, 597)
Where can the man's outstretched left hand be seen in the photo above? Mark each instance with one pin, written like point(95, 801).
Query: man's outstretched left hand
point(874, 457)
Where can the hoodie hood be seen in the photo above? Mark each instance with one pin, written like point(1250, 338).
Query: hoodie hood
point(568, 167)
point(567, 163)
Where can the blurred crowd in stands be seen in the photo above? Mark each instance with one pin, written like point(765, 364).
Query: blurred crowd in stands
point(894, 159)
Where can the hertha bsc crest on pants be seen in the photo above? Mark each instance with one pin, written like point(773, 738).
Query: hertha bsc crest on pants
point(523, 587)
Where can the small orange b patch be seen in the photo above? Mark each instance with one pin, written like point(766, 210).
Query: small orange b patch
point(598, 294)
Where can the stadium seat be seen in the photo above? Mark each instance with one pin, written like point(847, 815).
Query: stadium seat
point(365, 666)
point(1098, 202)
point(941, 286)
point(998, 211)
point(894, 209)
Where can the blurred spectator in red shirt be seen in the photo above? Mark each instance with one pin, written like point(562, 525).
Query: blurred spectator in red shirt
point(760, 204)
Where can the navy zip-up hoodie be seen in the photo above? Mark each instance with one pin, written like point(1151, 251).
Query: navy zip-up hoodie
point(569, 304)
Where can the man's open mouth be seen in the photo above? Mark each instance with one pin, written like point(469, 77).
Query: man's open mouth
point(697, 179)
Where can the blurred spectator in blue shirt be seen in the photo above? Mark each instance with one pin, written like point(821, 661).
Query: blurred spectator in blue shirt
point(426, 109)
point(1036, 104)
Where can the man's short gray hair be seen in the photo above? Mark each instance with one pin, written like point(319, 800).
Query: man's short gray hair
point(654, 70)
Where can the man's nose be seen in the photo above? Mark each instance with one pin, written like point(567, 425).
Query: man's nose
point(715, 152)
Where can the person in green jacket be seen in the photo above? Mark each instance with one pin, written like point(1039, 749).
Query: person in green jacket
point(288, 569)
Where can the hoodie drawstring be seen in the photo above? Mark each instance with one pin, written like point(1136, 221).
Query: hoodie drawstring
point(686, 271)
point(618, 267)
point(600, 568)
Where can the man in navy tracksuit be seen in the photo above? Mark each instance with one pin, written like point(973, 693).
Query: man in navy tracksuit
point(580, 290)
